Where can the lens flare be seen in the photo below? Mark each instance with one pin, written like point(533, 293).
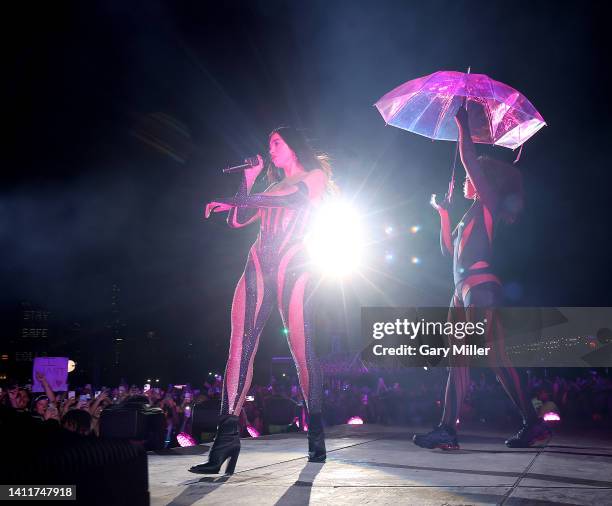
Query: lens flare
point(355, 420)
point(335, 241)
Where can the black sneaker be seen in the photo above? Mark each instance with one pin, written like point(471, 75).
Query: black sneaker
point(530, 436)
point(442, 437)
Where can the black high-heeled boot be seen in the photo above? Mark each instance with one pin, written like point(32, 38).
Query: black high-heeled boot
point(226, 446)
point(316, 439)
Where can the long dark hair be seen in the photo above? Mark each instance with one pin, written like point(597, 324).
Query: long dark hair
point(308, 157)
point(507, 182)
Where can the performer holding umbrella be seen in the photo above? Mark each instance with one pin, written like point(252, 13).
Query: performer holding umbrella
point(442, 106)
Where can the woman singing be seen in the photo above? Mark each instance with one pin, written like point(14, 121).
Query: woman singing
point(496, 190)
point(276, 272)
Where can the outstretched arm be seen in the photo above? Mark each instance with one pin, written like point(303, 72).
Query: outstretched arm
point(242, 216)
point(239, 217)
point(446, 243)
point(473, 168)
point(48, 390)
point(292, 197)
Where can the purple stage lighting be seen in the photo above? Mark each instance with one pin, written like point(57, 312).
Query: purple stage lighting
point(253, 432)
point(551, 416)
point(185, 439)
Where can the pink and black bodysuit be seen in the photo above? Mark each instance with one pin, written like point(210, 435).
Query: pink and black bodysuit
point(478, 291)
point(472, 252)
point(276, 272)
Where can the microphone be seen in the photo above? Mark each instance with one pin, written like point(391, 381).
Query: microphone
point(248, 163)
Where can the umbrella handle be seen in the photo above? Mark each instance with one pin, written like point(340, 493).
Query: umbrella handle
point(464, 103)
point(518, 157)
point(451, 184)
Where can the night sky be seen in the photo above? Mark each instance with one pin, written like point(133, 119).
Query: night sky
point(119, 116)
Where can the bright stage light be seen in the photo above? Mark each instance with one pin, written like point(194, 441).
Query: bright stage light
point(389, 256)
point(335, 241)
point(388, 230)
point(415, 260)
point(253, 432)
point(551, 416)
point(185, 439)
point(415, 228)
point(355, 420)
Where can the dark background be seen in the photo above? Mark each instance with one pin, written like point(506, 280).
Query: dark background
point(118, 116)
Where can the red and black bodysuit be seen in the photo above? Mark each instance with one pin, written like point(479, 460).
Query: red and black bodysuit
point(478, 291)
point(277, 271)
point(472, 252)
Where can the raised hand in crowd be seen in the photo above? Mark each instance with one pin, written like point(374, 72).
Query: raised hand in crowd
point(67, 405)
point(52, 413)
point(95, 418)
point(96, 403)
point(48, 390)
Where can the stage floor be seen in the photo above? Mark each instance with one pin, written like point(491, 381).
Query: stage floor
point(373, 464)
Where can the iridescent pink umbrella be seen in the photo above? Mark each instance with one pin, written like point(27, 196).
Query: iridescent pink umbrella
point(497, 113)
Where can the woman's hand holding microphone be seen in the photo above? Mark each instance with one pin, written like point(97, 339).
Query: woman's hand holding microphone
point(253, 172)
point(250, 174)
